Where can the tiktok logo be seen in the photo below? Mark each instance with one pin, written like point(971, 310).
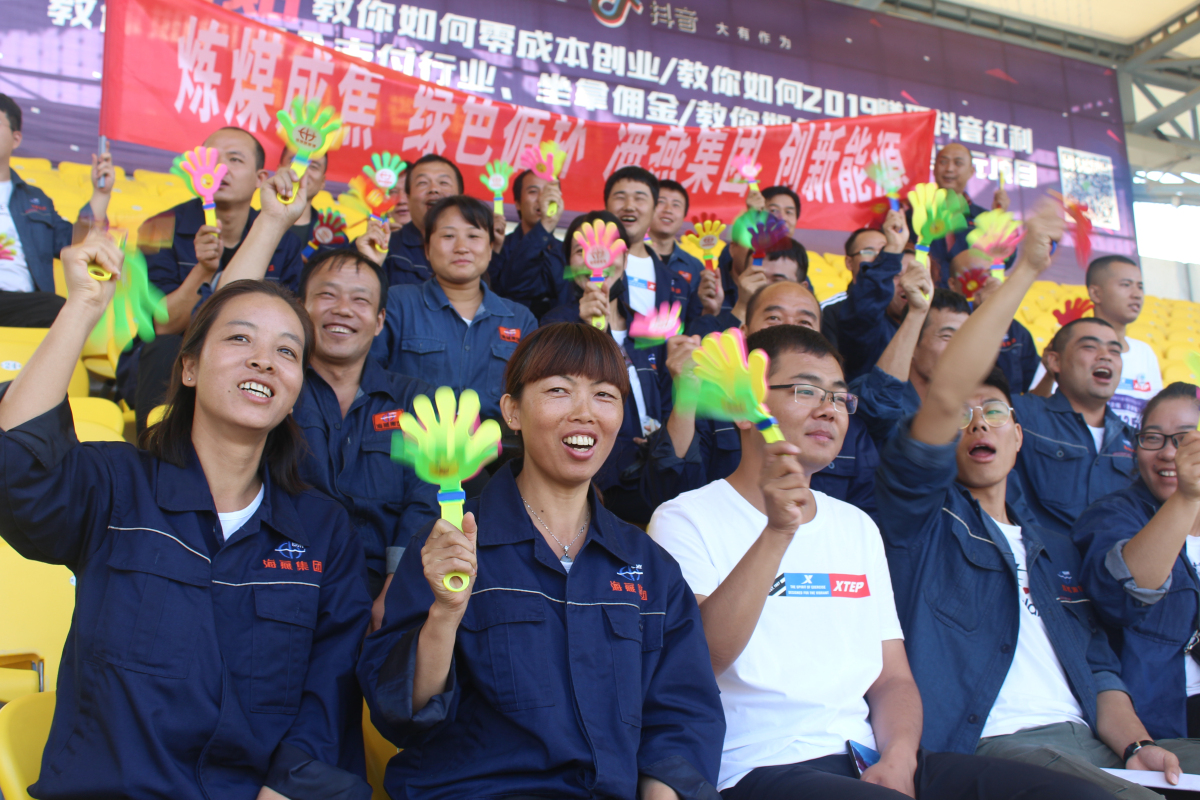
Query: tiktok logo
point(612, 13)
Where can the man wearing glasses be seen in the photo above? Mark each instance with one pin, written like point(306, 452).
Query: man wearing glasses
point(1010, 662)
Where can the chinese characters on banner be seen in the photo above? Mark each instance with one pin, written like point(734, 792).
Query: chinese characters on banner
point(229, 69)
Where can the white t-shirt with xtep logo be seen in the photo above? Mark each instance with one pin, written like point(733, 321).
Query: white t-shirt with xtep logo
point(1141, 379)
point(639, 274)
point(1035, 691)
point(796, 691)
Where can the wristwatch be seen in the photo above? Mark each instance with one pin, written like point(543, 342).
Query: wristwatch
point(1133, 749)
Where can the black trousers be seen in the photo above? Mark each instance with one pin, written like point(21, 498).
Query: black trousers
point(29, 309)
point(940, 776)
point(154, 373)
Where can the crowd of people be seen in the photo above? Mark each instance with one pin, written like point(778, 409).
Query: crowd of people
point(968, 570)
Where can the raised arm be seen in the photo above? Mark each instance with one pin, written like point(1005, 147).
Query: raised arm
point(969, 356)
point(254, 255)
point(1152, 552)
point(897, 356)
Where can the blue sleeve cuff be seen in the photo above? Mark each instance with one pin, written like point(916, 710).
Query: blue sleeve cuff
point(908, 452)
point(662, 450)
point(680, 775)
point(1114, 561)
point(394, 691)
point(393, 554)
point(297, 776)
point(1109, 682)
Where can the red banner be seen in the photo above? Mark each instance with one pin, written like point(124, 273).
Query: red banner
point(175, 70)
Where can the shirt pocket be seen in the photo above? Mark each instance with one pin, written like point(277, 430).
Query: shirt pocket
point(497, 364)
point(1058, 470)
point(425, 358)
point(967, 575)
point(634, 636)
point(150, 617)
point(285, 617)
point(505, 637)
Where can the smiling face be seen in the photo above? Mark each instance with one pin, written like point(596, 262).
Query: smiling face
point(250, 371)
point(986, 455)
point(458, 252)
point(669, 214)
point(1089, 364)
point(430, 182)
point(818, 431)
point(531, 193)
point(344, 305)
point(1157, 467)
point(1119, 293)
point(237, 151)
point(953, 167)
point(785, 303)
point(399, 215)
point(633, 204)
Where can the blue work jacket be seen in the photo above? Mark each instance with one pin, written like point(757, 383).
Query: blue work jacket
point(424, 336)
point(687, 266)
point(406, 262)
point(716, 451)
point(195, 668)
point(863, 326)
point(1018, 358)
point(883, 403)
point(349, 459)
point(1061, 472)
point(43, 233)
point(530, 270)
point(955, 583)
point(556, 689)
point(1150, 626)
point(673, 285)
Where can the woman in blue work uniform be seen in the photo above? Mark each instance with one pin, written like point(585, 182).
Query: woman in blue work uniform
point(574, 665)
point(648, 405)
point(1141, 553)
point(219, 605)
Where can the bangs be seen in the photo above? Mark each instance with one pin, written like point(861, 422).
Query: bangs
point(567, 348)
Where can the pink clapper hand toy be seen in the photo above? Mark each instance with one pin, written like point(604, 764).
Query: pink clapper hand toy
point(746, 171)
point(206, 173)
point(656, 327)
point(7, 251)
point(601, 246)
point(545, 161)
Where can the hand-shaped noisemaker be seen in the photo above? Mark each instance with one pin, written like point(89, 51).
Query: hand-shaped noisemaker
point(706, 238)
point(367, 198)
point(601, 246)
point(746, 171)
point(732, 386)
point(384, 170)
point(972, 281)
point(8, 251)
point(497, 177)
point(545, 162)
point(656, 327)
point(739, 232)
point(768, 237)
point(936, 212)
point(329, 231)
point(446, 448)
point(889, 180)
point(205, 173)
point(1073, 310)
point(135, 298)
point(308, 131)
point(1082, 229)
point(996, 233)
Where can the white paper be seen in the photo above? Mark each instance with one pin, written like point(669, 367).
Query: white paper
point(1155, 780)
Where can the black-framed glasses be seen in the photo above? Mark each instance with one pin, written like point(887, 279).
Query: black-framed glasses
point(814, 396)
point(1157, 441)
point(994, 413)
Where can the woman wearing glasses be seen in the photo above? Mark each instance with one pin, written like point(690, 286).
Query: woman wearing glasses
point(1141, 549)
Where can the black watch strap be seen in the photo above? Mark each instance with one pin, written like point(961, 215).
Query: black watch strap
point(1133, 749)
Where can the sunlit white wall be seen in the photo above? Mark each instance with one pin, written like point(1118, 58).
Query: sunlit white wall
point(1168, 239)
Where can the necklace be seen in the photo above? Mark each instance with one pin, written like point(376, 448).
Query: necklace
point(566, 556)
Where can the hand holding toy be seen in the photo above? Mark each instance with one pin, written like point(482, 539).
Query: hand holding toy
point(972, 281)
point(997, 234)
point(329, 230)
point(497, 177)
point(746, 171)
point(135, 299)
point(1073, 310)
point(888, 179)
point(656, 327)
point(732, 386)
point(936, 212)
point(706, 238)
point(545, 162)
point(203, 169)
point(367, 198)
point(601, 246)
point(446, 448)
point(308, 132)
point(385, 170)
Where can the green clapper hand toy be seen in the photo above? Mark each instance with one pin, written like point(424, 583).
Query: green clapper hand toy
point(385, 170)
point(732, 385)
point(496, 179)
point(740, 233)
point(204, 172)
point(936, 212)
point(545, 162)
point(601, 246)
point(445, 449)
point(135, 299)
point(308, 132)
point(997, 234)
point(888, 179)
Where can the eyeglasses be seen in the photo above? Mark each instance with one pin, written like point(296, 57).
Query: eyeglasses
point(1157, 441)
point(811, 396)
point(868, 253)
point(994, 413)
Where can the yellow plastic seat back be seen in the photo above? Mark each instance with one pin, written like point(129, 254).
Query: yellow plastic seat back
point(24, 729)
point(379, 753)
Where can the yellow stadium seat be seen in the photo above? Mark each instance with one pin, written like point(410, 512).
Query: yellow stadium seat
point(155, 415)
point(15, 355)
point(1177, 352)
point(22, 164)
point(88, 431)
point(98, 410)
point(24, 729)
point(1182, 337)
point(82, 170)
point(1177, 371)
point(20, 674)
point(45, 595)
point(379, 752)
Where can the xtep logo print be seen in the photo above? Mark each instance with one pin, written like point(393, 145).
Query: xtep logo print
point(820, 584)
point(612, 13)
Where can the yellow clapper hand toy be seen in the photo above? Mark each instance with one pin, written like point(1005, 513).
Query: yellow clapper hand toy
point(732, 385)
point(545, 161)
point(308, 131)
point(445, 448)
point(707, 238)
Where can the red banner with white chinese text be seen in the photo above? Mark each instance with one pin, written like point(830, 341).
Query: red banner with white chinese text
point(175, 70)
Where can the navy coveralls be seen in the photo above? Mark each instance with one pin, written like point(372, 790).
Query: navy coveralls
point(863, 328)
point(530, 270)
point(406, 262)
point(43, 233)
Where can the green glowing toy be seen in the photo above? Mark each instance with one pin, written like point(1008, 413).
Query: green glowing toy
point(731, 386)
point(308, 130)
point(497, 177)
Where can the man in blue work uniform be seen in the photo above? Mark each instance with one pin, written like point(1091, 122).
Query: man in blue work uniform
point(1078, 449)
point(184, 256)
point(529, 268)
point(1037, 682)
point(687, 453)
point(862, 247)
point(426, 181)
point(35, 231)
point(787, 264)
point(670, 214)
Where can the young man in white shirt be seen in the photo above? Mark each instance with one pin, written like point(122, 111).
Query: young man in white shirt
point(804, 639)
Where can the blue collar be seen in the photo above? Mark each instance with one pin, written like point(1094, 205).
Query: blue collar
point(492, 304)
point(189, 217)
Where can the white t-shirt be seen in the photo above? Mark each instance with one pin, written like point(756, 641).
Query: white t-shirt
point(639, 274)
point(649, 424)
point(1141, 379)
point(796, 691)
point(14, 273)
point(1097, 436)
point(1035, 691)
point(1191, 669)
point(232, 521)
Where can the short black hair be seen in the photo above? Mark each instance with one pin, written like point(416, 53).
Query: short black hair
point(473, 211)
point(944, 299)
point(1060, 339)
point(518, 183)
point(11, 110)
point(756, 298)
point(593, 217)
point(779, 339)
point(676, 186)
point(855, 235)
point(999, 381)
point(632, 174)
point(1099, 268)
point(796, 252)
point(425, 159)
point(343, 255)
point(775, 191)
point(260, 155)
point(1175, 391)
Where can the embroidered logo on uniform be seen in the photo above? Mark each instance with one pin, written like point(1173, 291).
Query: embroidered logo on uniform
point(297, 566)
point(510, 334)
point(290, 550)
point(687, 276)
point(387, 420)
point(635, 588)
point(633, 572)
point(824, 584)
point(1065, 575)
